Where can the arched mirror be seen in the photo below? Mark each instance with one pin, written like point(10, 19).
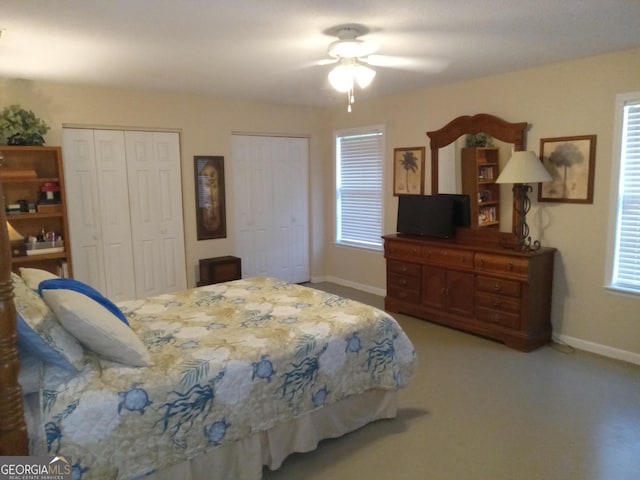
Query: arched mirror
point(447, 144)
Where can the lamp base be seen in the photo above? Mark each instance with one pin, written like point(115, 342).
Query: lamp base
point(520, 192)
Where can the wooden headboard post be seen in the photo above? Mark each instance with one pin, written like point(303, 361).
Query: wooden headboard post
point(13, 430)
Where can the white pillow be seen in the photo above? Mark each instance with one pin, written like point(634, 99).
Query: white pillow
point(97, 328)
point(39, 333)
point(33, 276)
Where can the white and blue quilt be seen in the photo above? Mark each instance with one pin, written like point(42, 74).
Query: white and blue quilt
point(229, 360)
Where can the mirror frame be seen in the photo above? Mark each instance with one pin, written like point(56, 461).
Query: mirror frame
point(507, 132)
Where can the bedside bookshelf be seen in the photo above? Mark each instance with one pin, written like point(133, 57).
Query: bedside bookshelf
point(23, 172)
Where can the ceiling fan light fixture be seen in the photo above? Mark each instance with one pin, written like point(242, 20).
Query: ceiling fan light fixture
point(351, 53)
point(364, 75)
point(341, 78)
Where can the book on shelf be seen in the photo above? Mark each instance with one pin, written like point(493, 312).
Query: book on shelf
point(486, 215)
point(63, 269)
point(485, 173)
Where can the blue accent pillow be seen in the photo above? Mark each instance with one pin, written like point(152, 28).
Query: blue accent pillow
point(83, 288)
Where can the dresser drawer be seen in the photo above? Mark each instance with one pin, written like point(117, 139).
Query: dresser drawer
point(404, 294)
point(498, 285)
point(447, 256)
point(404, 281)
point(401, 249)
point(504, 319)
point(497, 302)
point(501, 264)
point(404, 268)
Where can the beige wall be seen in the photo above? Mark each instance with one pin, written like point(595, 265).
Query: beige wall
point(573, 98)
point(205, 125)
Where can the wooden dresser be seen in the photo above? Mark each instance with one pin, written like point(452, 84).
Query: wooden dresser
point(496, 292)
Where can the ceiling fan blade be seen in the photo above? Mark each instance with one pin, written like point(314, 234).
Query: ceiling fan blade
point(327, 61)
point(432, 65)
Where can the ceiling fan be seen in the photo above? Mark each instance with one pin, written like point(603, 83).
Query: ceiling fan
point(356, 56)
point(352, 56)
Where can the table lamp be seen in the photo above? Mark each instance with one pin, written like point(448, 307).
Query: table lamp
point(522, 169)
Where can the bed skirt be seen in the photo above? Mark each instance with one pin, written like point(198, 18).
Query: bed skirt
point(244, 459)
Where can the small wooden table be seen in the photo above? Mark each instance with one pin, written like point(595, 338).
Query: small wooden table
point(219, 269)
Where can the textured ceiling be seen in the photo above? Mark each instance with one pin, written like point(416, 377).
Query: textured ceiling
point(268, 49)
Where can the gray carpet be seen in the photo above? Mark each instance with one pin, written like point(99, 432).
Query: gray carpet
point(479, 410)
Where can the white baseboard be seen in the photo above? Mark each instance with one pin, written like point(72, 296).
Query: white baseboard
point(346, 283)
point(577, 343)
point(599, 349)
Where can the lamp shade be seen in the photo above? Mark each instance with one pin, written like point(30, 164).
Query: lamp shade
point(524, 167)
point(14, 236)
point(341, 78)
point(364, 75)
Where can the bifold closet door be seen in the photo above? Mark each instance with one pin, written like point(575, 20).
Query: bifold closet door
point(125, 211)
point(155, 196)
point(271, 206)
point(98, 205)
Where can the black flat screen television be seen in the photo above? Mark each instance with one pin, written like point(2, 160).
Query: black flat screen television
point(461, 209)
point(427, 215)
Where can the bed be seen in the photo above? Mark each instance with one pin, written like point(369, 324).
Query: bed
point(212, 382)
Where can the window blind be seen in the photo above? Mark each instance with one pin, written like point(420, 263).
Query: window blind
point(626, 274)
point(359, 189)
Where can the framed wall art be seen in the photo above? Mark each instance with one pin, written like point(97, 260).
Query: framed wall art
point(571, 163)
point(408, 170)
point(211, 218)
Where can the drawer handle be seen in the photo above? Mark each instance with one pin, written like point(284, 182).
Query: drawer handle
point(510, 266)
point(482, 262)
point(403, 282)
point(402, 294)
point(415, 251)
point(497, 287)
point(496, 302)
point(404, 268)
point(495, 318)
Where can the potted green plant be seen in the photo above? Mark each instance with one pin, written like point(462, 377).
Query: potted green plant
point(21, 127)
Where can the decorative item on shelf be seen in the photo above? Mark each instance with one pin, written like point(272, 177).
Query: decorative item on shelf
point(524, 168)
point(50, 192)
point(13, 209)
point(478, 140)
point(49, 207)
point(45, 243)
point(21, 127)
point(484, 196)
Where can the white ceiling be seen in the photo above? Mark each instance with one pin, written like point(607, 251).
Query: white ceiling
point(268, 49)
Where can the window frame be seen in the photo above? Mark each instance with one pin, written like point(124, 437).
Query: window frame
point(622, 100)
point(372, 129)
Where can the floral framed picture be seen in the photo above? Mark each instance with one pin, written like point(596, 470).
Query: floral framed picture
point(571, 163)
point(408, 170)
point(210, 197)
